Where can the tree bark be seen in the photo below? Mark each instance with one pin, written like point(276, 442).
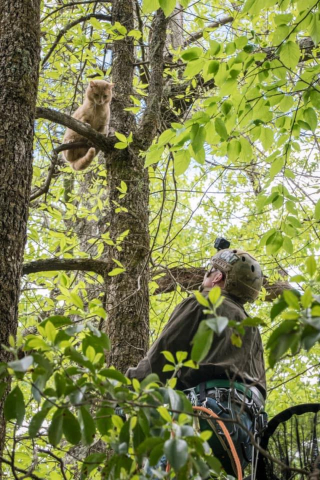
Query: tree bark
point(19, 64)
point(127, 293)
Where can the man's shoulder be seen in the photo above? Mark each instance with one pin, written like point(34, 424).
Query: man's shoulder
point(231, 308)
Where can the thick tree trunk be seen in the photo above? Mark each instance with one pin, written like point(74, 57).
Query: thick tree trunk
point(127, 293)
point(19, 61)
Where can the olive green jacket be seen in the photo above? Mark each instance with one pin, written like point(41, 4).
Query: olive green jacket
point(224, 360)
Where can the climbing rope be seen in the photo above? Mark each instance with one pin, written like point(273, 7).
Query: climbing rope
point(228, 437)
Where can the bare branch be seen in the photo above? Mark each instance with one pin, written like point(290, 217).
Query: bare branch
point(195, 36)
point(72, 146)
point(46, 186)
point(98, 16)
point(57, 264)
point(72, 4)
point(13, 468)
point(101, 141)
point(151, 117)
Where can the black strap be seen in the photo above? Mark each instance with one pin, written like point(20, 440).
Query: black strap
point(202, 392)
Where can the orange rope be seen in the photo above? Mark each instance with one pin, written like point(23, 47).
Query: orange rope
point(228, 437)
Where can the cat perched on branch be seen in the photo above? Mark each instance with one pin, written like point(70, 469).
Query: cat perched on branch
point(95, 111)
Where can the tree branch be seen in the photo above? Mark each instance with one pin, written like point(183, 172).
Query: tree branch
point(151, 117)
point(98, 16)
point(101, 141)
point(191, 279)
point(195, 36)
point(46, 185)
point(57, 264)
point(188, 278)
point(72, 4)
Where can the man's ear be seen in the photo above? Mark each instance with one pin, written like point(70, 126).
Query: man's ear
point(216, 277)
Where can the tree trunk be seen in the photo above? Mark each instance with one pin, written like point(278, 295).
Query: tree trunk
point(127, 293)
point(19, 61)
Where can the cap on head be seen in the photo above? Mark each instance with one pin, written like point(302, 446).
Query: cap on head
point(242, 271)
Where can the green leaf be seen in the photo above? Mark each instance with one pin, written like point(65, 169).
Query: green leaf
point(290, 54)
point(201, 342)
point(167, 6)
point(278, 308)
point(314, 28)
point(76, 300)
point(248, 5)
point(217, 324)
point(198, 136)
point(55, 428)
point(213, 67)
point(36, 422)
point(57, 321)
point(283, 19)
point(104, 421)
point(114, 375)
point(276, 166)
point(214, 295)
point(291, 299)
point(192, 54)
point(71, 427)
point(168, 356)
point(311, 266)
point(116, 271)
point(214, 47)
point(176, 451)
point(221, 128)
point(201, 299)
point(21, 365)
point(181, 162)
point(306, 299)
point(87, 426)
point(234, 149)
point(121, 137)
point(91, 462)
point(311, 118)
point(315, 99)
point(317, 211)
point(149, 6)
point(287, 244)
point(274, 243)
point(266, 138)
point(14, 407)
point(286, 103)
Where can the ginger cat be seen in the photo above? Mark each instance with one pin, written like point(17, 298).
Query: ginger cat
point(95, 111)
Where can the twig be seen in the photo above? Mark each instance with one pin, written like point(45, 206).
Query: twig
point(98, 16)
point(72, 4)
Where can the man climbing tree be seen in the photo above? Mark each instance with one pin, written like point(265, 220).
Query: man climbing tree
point(230, 379)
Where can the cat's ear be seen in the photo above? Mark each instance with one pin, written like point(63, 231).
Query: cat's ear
point(111, 85)
point(92, 83)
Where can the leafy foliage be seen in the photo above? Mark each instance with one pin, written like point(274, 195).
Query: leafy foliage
point(237, 155)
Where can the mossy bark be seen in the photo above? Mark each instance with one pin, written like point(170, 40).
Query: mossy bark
point(19, 64)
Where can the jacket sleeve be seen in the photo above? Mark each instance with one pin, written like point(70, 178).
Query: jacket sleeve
point(176, 336)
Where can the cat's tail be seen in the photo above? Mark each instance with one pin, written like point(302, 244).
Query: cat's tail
point(85, 161)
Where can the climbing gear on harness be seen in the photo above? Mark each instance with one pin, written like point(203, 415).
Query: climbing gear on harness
point(232, 402)
point(251, 392)
point(242, 271)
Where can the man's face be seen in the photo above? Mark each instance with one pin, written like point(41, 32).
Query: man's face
point(213, 279)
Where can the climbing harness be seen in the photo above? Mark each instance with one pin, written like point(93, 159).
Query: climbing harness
point(249, 398)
